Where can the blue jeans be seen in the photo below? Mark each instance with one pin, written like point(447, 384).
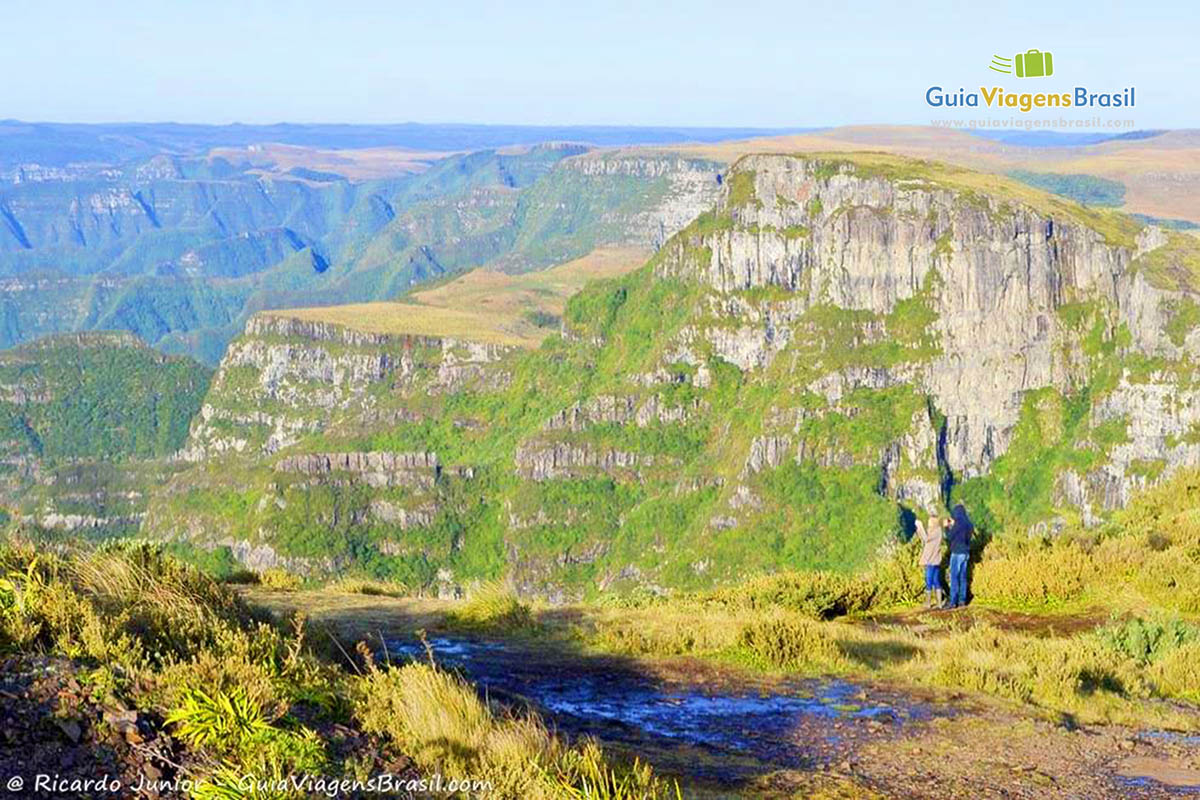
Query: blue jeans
point(958, 578)
point(931, 576)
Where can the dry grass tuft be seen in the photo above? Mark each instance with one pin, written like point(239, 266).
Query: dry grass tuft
point(492, 606)
point(444, 725)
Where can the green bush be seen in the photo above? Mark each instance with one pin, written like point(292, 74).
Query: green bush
point(1031, 573)
point(492, 606)
point(279, 579)
point(792, 644)
point(1146, 641)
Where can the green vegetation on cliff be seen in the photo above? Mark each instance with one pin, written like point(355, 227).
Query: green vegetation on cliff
point(98, 396)
point(1087, 190)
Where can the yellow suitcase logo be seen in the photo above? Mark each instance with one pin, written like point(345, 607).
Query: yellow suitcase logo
point(1030, 64)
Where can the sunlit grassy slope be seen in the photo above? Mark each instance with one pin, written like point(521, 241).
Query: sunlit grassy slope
point(483, 305)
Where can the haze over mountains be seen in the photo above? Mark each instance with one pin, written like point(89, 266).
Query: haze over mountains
point(142, 228)
point(59, 144)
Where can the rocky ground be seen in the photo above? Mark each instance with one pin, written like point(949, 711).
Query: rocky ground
point(995, 753)
point(52, 724)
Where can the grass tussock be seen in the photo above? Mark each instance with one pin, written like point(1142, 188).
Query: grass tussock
point(674, 632)
point(491, 606)
point(371, 588)
point(792, 644)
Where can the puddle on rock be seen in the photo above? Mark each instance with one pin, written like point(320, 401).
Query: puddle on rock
point(1143, 771)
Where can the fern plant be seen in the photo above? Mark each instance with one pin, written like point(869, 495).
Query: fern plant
point(222, 720)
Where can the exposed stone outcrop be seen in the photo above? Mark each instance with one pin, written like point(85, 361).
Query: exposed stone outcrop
point(683, 187)
point(611, 409)
point(286, 378)
point(547, 461)
point(374, 469)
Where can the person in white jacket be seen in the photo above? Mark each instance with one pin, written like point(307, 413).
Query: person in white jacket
point(931, 535)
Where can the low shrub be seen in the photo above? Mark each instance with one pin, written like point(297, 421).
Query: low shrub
point(231, 726)
point(791, 643)
point(1032, 573)
point(1146, 641)
point(221, 719)
point(491, 606)
point(1167, 649)
point(279, 579)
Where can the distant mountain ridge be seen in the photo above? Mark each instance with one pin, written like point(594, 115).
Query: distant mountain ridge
point(157, 230)
point(57, 144)
point(1039, 138)
point(180, 250)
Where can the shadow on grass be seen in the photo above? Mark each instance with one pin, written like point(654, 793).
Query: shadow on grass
point(878, 654)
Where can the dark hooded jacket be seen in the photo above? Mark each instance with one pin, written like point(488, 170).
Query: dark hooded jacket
point(960, 532)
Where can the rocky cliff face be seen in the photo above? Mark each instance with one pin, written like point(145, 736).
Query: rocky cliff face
point(286, 378)
point(294, 459)
point(1011, 295)
point(681, 188)
point(836, 340)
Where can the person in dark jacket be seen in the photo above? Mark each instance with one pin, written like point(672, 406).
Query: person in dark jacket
point(959, 539)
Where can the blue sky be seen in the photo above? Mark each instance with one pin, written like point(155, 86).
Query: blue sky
point(742, 63)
